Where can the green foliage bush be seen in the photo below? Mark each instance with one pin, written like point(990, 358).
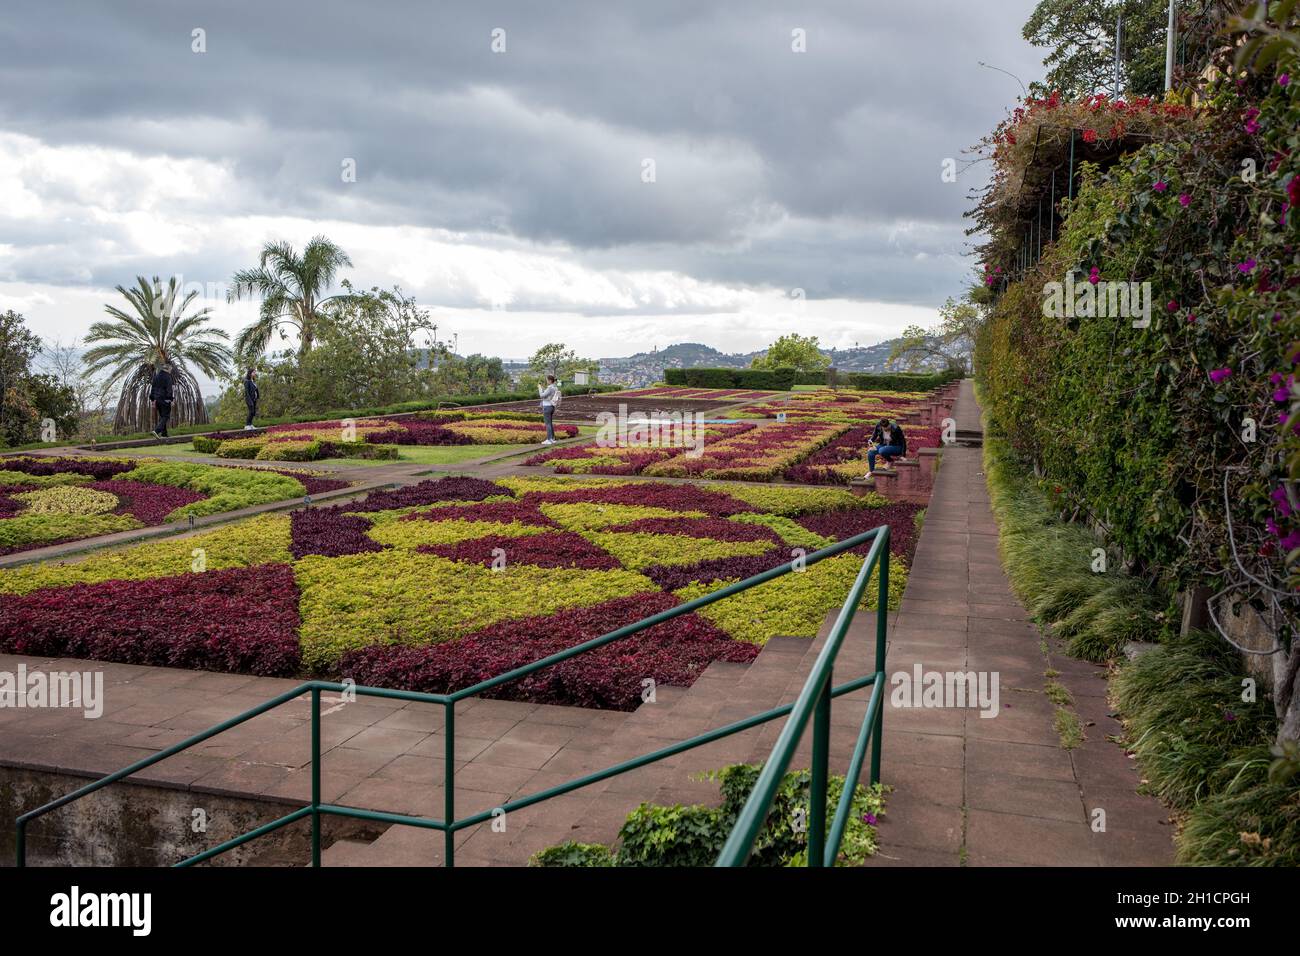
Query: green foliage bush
point(679, 835)
point(227, 488)
point(777, 379)
point(901, 381)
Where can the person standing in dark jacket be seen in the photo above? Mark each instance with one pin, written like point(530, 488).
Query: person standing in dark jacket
point(251, 396)
point(160, 393)
point(889, 442)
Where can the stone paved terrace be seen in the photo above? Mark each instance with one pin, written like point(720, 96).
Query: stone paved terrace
point(968, 790)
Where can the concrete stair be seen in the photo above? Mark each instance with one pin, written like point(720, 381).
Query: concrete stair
point(724, 693)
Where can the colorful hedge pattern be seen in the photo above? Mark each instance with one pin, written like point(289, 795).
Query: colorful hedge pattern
point(439, 584)
point(378, 437)
point(46, 501)
point(818, 436)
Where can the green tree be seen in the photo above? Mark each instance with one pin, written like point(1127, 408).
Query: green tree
point(800, 352)
point(156, 329)
point(367, 354)
point(1079, 36)
point(948, 344)
point(292, 289)
point(555, 359)
point(18, 346)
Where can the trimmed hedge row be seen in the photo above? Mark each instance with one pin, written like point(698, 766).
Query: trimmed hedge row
point(422, 405)
point(779, 379)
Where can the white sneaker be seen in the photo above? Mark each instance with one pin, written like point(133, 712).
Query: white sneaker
point(250, 428)
point(548, 441)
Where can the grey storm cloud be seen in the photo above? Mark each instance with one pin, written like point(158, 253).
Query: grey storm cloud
point(773, 168)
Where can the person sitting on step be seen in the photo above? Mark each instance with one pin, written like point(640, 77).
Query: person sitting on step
point(887, 442)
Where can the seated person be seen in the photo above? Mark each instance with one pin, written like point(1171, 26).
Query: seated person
point(888, 442)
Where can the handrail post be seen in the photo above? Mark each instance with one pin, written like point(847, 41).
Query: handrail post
point(821, 752)
point(449, 785)
point(882, 634)
point(315, 776)
point(20, 842)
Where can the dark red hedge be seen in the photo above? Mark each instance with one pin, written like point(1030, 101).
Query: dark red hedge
point(330, 532)
point(242, 620)
point(557, 549)
point(657, 494)
point(429, 492)
point(900, 516)
point(675, 652)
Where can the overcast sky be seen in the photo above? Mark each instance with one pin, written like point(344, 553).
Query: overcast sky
point(507, 190)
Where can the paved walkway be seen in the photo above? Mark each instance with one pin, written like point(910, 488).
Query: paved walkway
point(998, 791)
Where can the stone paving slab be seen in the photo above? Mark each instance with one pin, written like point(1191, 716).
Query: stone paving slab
point(998, 791)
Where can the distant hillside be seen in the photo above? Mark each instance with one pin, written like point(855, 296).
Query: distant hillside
point(645, 368)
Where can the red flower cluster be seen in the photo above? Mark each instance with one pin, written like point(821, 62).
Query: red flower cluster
point(674, 652)
point(242, 620)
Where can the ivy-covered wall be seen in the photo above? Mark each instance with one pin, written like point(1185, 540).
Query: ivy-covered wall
point(1138, 420)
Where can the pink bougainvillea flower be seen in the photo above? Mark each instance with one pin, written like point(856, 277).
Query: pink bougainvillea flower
point(1291, 541)
point(1220, 374)
point(1252, 124)
point(1191, 317)
point(1284, 79)
point(869, 818)
point(1271, 527)
point(1246, 266)
point(1184, 199)
point(1160, 186)
point(1173, 305)
point(1094, 275)
point(1281, 501)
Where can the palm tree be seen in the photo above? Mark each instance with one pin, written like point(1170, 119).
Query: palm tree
point(291, 288)
point(155, 331)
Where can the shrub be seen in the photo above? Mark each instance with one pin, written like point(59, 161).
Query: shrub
point(241, 620)
point(572, 853)
point(777, 380)
point(72, 500)
point(307, 450)
point(401, 597)
point(248, 448)
point(260, 540)
point(672, 653)
point(795, 603)
point(227, 488)
point(660, 836)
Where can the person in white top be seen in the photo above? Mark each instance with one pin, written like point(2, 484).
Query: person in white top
point(550, 393)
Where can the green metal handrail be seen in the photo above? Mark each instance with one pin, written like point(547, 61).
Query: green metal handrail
point(814, 702)
point(878, 554)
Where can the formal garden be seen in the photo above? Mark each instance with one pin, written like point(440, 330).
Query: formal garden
point(51, 500)
point(439, 584)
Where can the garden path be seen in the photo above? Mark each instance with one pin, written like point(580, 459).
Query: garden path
point(995, 791)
